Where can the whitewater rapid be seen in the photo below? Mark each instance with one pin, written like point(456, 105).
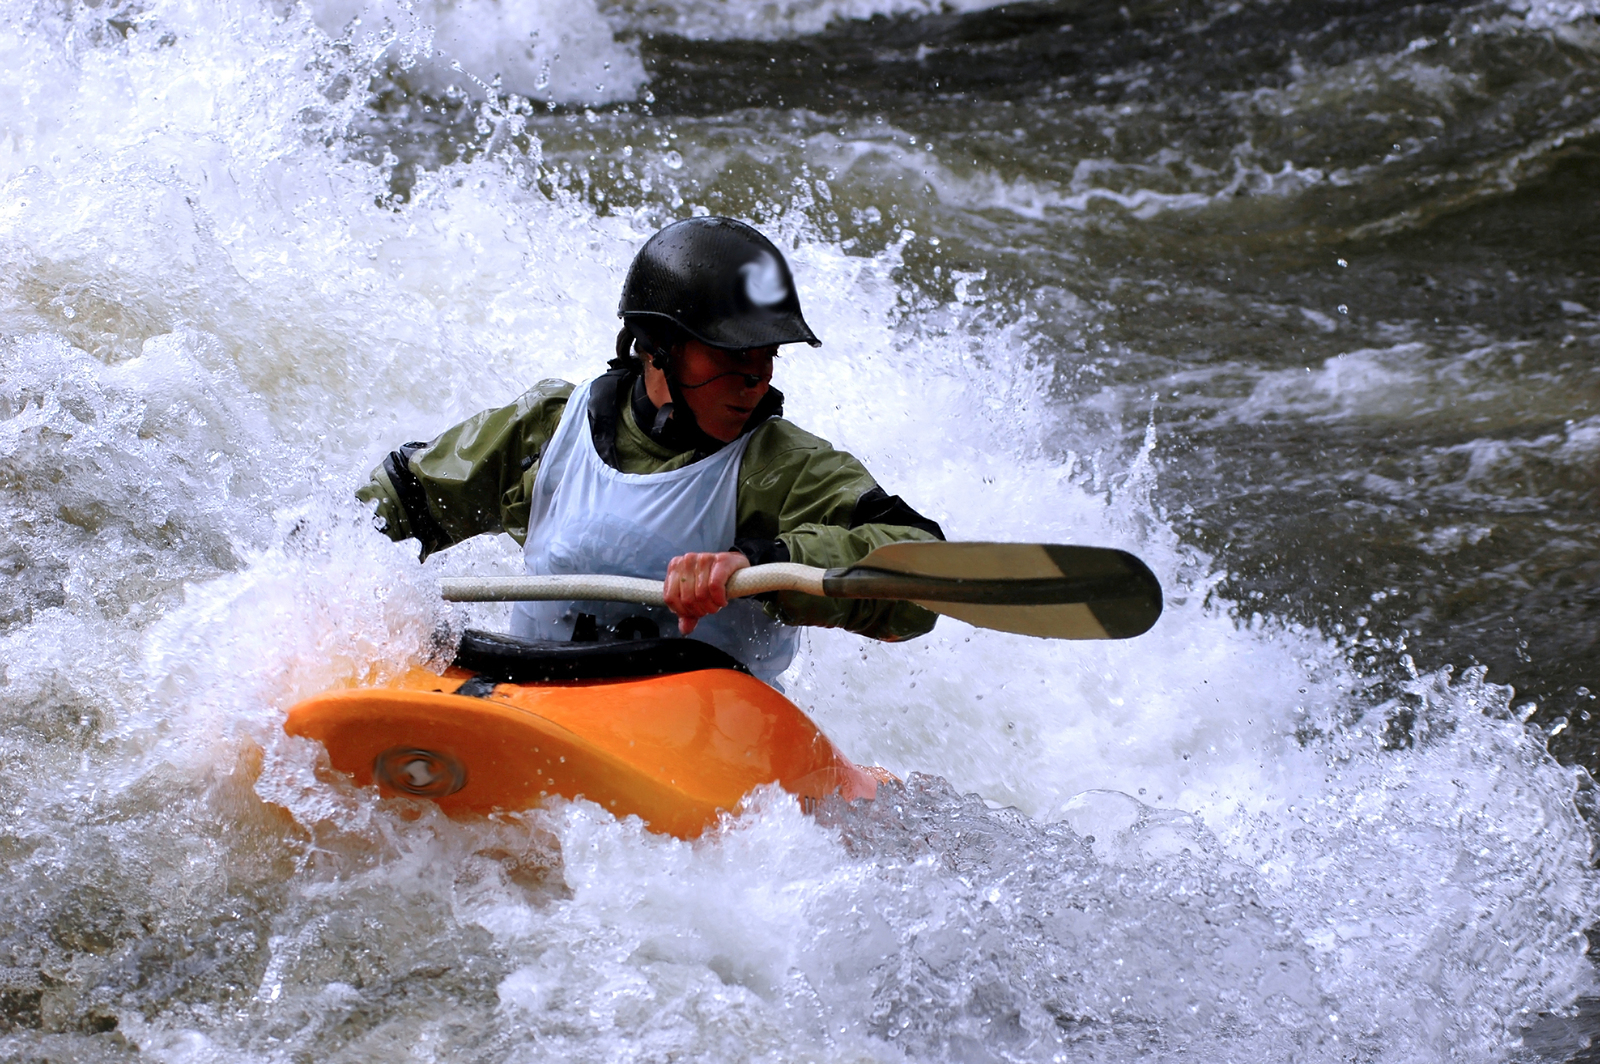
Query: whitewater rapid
point(1221, 840)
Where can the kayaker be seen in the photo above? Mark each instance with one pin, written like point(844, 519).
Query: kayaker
point(675, 460)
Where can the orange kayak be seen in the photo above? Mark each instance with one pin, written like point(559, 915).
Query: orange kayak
point(672, 731)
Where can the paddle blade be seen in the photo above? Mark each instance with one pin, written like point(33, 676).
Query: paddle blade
point(1038, 589)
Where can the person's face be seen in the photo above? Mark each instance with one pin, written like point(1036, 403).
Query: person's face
point(716, 384)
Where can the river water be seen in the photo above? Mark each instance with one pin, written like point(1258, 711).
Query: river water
point(1298, 300)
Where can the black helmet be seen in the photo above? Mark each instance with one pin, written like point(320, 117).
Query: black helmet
point(718, 280)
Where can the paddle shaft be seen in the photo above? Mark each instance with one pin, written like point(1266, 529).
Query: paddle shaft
point(855, 583)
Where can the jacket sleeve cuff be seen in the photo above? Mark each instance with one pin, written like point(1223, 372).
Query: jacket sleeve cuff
point(762, 551)
point(389, 516)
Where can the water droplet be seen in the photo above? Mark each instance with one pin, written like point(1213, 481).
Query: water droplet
point(1343, 263)
point(1343, 309)
point(673, 160)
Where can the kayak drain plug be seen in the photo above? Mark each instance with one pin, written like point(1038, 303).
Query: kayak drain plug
point(422, 773)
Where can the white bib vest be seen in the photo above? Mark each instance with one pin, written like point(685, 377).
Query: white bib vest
point(587, 517)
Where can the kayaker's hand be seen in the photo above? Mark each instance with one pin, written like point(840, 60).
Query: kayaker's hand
point(697, 585)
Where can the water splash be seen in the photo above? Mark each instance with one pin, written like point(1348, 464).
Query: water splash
point(1286, 862)
point(561, 51)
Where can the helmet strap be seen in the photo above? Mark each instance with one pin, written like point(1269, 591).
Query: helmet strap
point(750, 380)
point(689, 427)
point(678, 409)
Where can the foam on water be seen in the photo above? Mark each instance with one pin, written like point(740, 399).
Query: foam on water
point(1169, 182)
point(768, 20)
point(1544, 13)
point(1224, 844)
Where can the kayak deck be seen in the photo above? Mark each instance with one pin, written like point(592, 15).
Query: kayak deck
point(676, 750)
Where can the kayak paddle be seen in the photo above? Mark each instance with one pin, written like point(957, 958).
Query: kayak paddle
point(1040, 589)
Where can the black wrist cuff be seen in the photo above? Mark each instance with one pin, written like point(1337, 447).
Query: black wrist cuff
point(762, 551)
point(414, 500)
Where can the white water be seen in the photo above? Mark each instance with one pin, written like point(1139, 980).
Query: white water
point(766, 20)
point(213, 330)
point(559, 50)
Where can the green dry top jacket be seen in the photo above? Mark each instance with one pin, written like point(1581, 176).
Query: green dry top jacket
point(798, 500)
